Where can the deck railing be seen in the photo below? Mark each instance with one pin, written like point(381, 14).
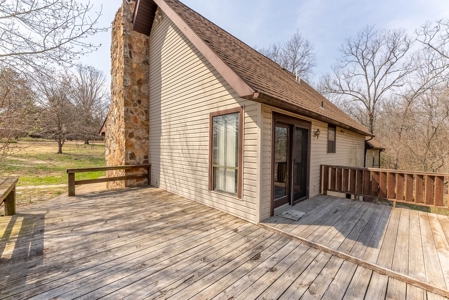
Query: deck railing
point(429, 189)
point(72, 182)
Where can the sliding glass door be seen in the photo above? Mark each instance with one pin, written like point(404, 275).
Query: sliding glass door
point(290, 160)
point(281, 163)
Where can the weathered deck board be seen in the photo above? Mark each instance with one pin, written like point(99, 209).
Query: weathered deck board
point(339, 285)
point(150, 244)
point(416, 259)
point(434, 272)
point(134, 256)
point(88, 255)
point(307, 277)
point(441, 245)
point(264, 278)
point(405, 241)
point(401, 252)
point(359, 283)
point(283, 282)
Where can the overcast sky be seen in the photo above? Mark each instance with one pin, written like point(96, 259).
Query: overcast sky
point(259, 23)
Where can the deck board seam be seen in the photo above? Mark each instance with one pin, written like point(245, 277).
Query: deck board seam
point(360, 262)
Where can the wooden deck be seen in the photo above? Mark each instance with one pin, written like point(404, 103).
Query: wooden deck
point(407, 242)
point(150, 244)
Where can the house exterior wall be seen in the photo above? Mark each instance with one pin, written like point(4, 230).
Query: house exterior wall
point(372, 158)
point(350, 152)
point(126, 136)
point(184, 90)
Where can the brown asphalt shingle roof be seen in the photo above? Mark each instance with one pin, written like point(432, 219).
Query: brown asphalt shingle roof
point(257, 71)
point(375, 144)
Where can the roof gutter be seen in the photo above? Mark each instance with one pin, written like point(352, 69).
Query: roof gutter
point(269, 100)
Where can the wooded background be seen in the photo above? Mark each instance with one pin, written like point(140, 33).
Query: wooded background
point(395, 84)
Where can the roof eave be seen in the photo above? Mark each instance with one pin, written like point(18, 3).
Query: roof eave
point(269, 100)
point(375, 148)
point(144, 13)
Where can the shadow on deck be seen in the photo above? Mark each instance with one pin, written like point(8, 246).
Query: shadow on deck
point(409, 242)
point(147, 243)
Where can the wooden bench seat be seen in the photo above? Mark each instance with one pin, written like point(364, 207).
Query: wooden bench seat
point(8, 194)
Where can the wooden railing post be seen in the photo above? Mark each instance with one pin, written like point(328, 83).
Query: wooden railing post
point(10, 203)
point(71, 184)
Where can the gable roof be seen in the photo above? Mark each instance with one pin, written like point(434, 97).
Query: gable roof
point(252, 75)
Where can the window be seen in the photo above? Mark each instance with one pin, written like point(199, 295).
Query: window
point(226, 152)
point(331, 138)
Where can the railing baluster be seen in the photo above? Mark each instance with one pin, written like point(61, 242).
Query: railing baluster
point(352, 181)
point(345, 180)
point(391, 185)
point(375, 184)
point(429, 189)
point(359, 187)
point(333, 178)
point(400, 186)
point(367, 183)
point(326, 180)
point(419, 184)
point(383, 185)
point(439, 191)
point(339, 175)
point(409, 187)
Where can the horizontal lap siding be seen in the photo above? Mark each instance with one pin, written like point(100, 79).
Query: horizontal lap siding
point(349, 152)
point(184, 90)
point(369, 158)
point(266, 165)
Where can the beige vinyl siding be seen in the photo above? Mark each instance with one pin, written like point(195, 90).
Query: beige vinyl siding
point(184, 90)
point(350, 152)
point(369, 158)
point(370, 154)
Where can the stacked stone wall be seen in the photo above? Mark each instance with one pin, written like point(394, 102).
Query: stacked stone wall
point(127, 127)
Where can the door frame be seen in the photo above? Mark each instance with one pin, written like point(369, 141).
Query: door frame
point(292, 122)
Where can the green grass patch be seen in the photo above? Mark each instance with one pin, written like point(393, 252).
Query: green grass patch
point(36, 163)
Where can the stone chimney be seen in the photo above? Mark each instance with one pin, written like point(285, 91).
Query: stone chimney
point(127, 131)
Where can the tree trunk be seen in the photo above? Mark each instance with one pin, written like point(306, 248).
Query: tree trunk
point(60, 146)
point(86, 142)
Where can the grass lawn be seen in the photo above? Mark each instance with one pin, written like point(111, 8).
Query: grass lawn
point(37, 164)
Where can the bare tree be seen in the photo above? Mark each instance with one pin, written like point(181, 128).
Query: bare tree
point(273, 52)
point(38, 34)
point(16, 109)
point(295, 55)
point(414, 122)
point(435, 36)
point(58, 116)
point(372, 66)
point(89, 95)
point(39, 37)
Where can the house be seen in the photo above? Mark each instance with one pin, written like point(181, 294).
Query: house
point(373, 149)
point(220, 123)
